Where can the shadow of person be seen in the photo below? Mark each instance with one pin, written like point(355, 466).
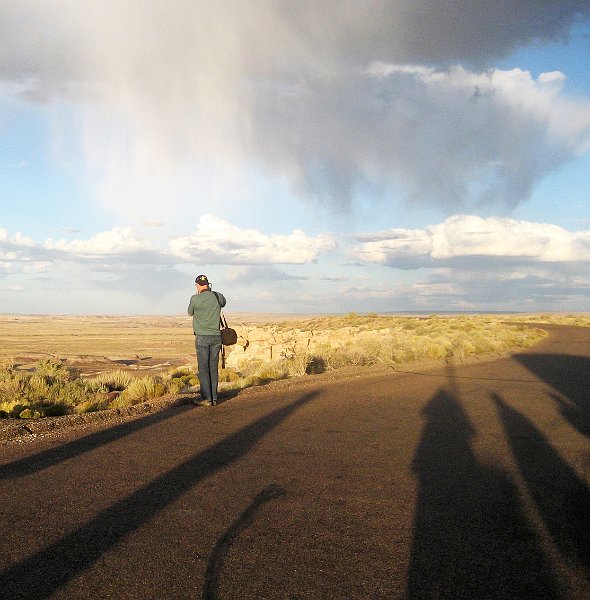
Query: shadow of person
point(562, 498)
point(223, 545)
point(70, 450)
point(40, 575)
point(570, 376)
point(471, 538)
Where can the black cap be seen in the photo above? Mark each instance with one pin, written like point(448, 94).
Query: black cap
point(202, 280)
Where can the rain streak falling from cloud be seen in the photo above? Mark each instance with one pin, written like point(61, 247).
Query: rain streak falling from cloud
point(325, 95)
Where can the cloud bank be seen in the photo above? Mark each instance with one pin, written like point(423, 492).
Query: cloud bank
point(330, 96)
point(463, 236)
point(215, 242)
point(465, 262)
point(218, 242)
point(456, 138)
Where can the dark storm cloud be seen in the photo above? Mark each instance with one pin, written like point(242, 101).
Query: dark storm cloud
point(326, 94)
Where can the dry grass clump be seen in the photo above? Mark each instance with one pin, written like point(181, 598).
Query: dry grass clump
point(113, 381)
point(54, 388)
point(181, 378)
point(140, 390)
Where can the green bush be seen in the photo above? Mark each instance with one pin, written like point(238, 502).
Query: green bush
point(29, 413)
point(56, 371)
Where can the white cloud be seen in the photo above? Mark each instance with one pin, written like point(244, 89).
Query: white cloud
point(110, 249)
point(120, 240)
point(463, 236)
point(214, 242)
point(218, 242)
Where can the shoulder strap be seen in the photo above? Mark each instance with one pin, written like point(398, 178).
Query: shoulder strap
point(222, 319)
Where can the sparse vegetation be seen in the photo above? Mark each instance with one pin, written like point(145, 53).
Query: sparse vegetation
point(291, 348)
point(269, 352)
point(316, 345)
point(54, 389)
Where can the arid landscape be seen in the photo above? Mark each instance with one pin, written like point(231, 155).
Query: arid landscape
point(460, 478)
point(59, 365)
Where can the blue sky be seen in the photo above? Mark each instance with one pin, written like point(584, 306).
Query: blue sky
point(308, 157)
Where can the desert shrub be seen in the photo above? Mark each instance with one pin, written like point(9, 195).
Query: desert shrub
point(461, 346)
point(29, 413)
point(228, 375)
point(69, 393)
point(12, 386)
point(56, 371)
point(345, 356)
point(180, 378)
point(315, 365)
point(7, 366)
point(38, 388)
point(250, 381)
point(114, 381)
point(92, 405)
point(12, 408)
point(180, 372)
point(272, 371)
point(55, 389)
point(175, 385)
point(437, 348)
point(140, 390)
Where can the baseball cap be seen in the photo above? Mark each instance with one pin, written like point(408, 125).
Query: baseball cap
point(202, 280)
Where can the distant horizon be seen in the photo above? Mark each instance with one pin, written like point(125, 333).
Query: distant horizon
point(306, 314)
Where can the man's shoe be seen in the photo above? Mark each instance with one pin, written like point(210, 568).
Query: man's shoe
point(203, 402)
point(214, 402)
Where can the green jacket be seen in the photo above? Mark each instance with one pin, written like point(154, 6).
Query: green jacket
point(205, 310)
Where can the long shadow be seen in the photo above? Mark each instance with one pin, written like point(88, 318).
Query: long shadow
point(570, 376)
point(471, 538)
point(51, 568)
point(562, 498)
point(48, 458)
point(223, 545)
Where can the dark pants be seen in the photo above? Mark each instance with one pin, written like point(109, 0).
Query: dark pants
point(208, 348)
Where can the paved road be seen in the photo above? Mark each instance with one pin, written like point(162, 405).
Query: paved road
point(467, 481)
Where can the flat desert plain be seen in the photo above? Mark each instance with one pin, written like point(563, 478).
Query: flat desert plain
point(96, 344)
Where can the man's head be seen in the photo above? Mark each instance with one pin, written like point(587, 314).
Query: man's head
point(202, 283)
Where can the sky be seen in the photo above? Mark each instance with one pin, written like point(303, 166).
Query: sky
point(308, 157)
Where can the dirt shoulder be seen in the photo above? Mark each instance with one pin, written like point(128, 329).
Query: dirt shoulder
point(21, 431)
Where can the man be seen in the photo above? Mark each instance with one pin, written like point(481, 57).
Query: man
point(205, 307)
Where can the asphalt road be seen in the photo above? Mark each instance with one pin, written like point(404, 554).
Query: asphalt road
point(460, 481)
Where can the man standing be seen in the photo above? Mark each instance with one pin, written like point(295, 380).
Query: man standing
point(205, 307)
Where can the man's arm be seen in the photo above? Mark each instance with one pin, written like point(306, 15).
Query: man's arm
point(220, 299)
point(191, 307)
